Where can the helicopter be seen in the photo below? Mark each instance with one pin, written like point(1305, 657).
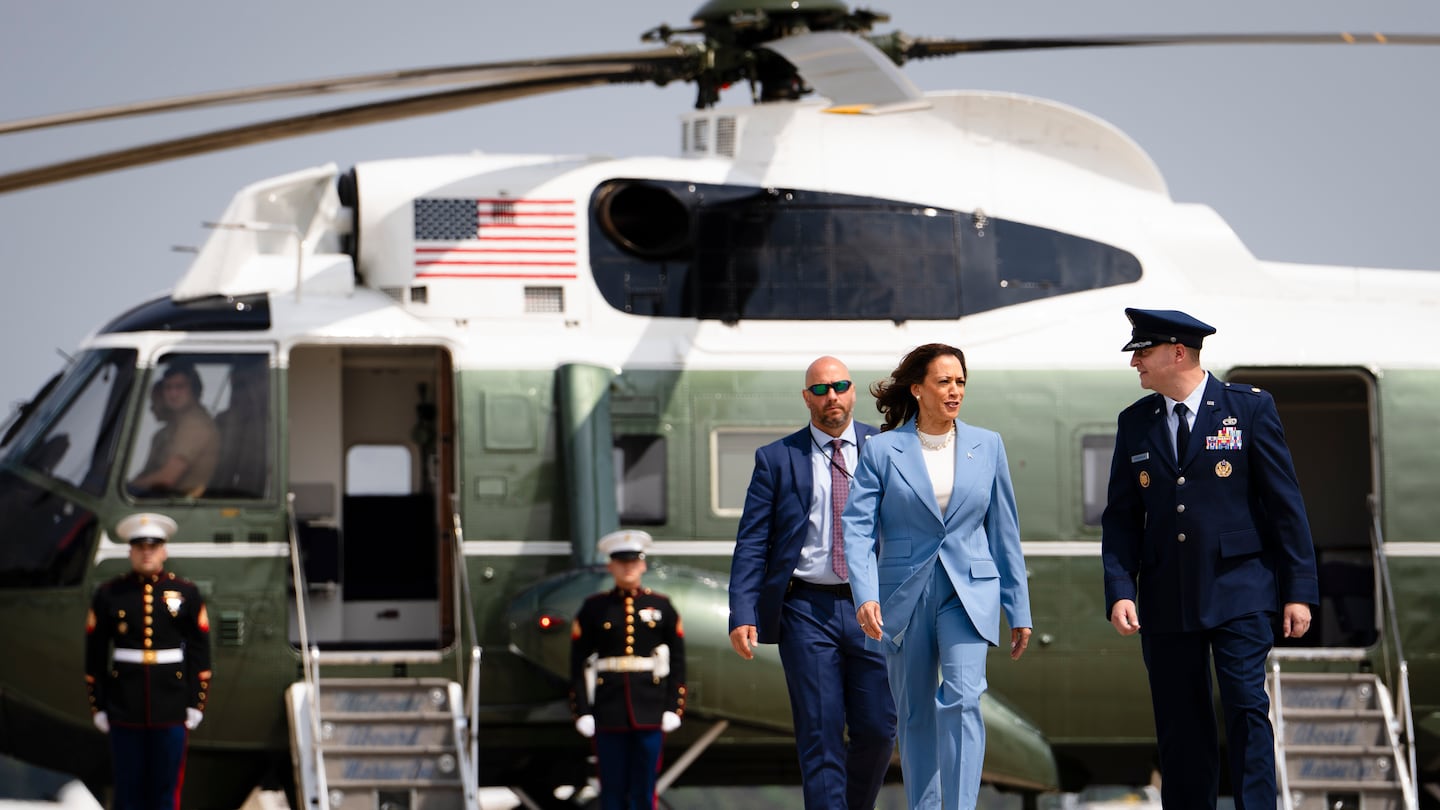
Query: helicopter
point(490, 404)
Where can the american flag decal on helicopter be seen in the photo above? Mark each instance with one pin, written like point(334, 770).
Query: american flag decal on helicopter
point(494, 238)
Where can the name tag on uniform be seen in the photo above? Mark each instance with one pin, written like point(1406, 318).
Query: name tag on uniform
point(1139, 458)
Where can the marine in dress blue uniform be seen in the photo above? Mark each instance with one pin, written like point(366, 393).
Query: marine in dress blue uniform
point(147, 667)
point(784, 590)
point(627, 666)
point(1202, 544)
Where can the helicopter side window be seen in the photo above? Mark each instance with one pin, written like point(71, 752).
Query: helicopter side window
point(640, 480)
point(205, 431)
point(1095, 452)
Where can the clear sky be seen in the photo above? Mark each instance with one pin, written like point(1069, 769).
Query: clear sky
point(1312, 154)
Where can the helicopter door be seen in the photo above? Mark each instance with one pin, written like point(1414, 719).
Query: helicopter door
point(369, 471)
point(1329, 421)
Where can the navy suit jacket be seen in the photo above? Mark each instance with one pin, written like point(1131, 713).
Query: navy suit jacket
point(1224, 535)
point(772, 530)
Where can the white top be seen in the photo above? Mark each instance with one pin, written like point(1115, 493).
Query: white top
point(941, 465)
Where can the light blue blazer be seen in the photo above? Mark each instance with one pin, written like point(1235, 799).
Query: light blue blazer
point(895, 534)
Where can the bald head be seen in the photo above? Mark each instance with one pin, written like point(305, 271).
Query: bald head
point(830, 410)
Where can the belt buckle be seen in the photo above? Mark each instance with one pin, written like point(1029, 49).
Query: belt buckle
point(147, 657)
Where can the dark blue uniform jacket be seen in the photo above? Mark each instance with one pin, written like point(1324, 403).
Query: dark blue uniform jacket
point(1223, 535)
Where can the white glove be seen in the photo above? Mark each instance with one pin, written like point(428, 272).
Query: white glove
point(669, 721)
point(585, 724)
point(102, 721)
point(193, 717)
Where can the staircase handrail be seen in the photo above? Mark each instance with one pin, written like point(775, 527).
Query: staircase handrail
point(1277, 721)
point(1392, 739)
point(465, 616)
point(309, 657)
point(1391, 627)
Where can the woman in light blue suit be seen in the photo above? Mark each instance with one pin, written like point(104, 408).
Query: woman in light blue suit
point(933, 543)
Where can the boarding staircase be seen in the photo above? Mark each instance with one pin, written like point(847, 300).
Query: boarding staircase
point(1343, 726)
point(386, 743)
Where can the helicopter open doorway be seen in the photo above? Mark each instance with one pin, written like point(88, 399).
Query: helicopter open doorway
point(1331, 428)
point(371, 473)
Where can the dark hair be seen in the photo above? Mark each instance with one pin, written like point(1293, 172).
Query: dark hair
point(893, 397)
point(189, 373)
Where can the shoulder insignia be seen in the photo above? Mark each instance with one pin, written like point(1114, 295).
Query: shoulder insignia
point(203, 620)
point(90, 621)
point(575, 630)
point(679, 629)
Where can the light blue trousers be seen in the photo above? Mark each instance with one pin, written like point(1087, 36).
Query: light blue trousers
point(942, 737)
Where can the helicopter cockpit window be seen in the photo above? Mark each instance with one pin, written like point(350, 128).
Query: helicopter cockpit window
point(69, 435)
point(205, 431)
point(76, 426)
point(734, 253)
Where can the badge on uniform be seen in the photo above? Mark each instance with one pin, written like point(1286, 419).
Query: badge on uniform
point(1144, 478)
point(1223, 469)
point(650, 614)
point(1227, 439)
point(173, 601)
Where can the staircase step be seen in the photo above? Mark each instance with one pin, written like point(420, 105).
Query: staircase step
point(1366, 770)
point(399, 731)
point(1338, 750)
point(371, 769)
point(416, 717)
point(388, 696)
point(332, 751)
point(1321, 695)
point(360, 797)
point(1327, 796)
point(1347, 729)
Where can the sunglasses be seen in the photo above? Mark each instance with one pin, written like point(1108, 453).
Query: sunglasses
point(821, 389)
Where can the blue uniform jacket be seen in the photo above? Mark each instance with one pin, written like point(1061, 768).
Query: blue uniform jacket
point(772, 530)
point(1224, 535)
point(895, 534)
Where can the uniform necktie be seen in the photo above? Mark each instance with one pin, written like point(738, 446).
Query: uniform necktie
point(839, 492)
point(1182, 431)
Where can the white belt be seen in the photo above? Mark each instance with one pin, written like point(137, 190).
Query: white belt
point(125, 655)
point(626, 663)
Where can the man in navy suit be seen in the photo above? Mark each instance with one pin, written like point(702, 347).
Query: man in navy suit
point(789, 584)
point(1205, 528)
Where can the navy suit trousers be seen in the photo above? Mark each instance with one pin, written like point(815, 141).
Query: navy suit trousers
point(1181, 690)
point(834, 682)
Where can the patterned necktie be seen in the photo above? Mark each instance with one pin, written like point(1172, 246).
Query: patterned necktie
point(1182, 432)
point(839, 491)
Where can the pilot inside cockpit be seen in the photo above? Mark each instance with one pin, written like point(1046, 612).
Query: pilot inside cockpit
point(184, 452)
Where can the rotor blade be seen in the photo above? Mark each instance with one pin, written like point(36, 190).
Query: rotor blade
point(846, 69)
point(547, 80)
point(384, 80)
point(922, 48)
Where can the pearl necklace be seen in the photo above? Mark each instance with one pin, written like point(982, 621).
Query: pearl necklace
point(932, 445)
